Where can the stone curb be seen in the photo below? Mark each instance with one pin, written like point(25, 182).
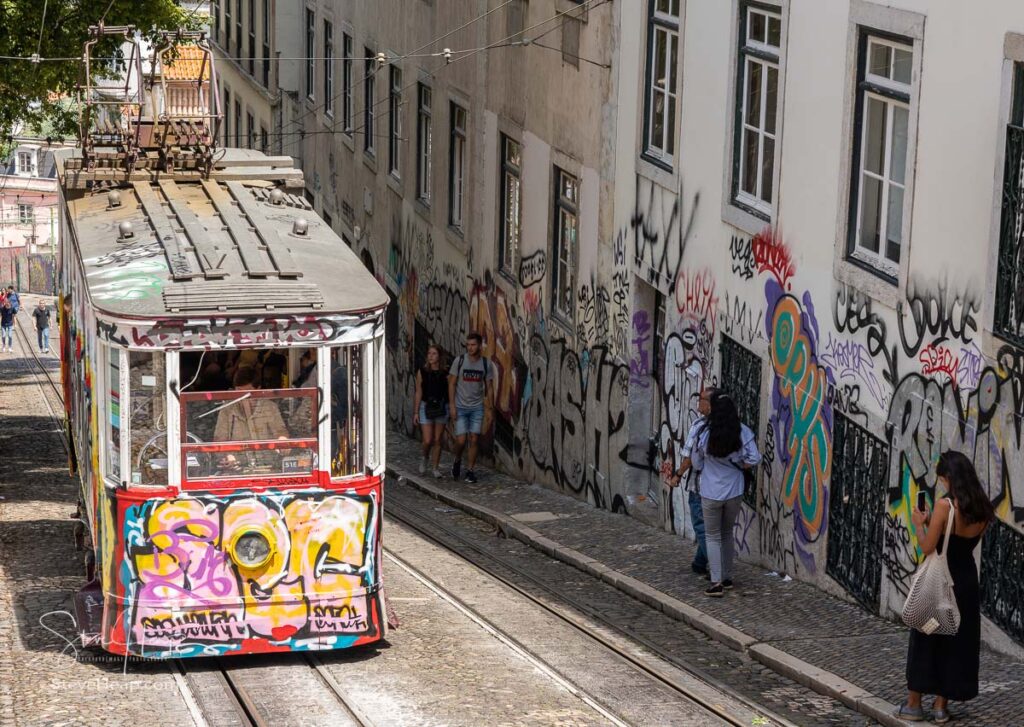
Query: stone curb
point(800, 671)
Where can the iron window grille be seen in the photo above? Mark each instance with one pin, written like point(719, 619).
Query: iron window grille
point(856, 510)
point(661, 92)
point(457, 167)
point(424, 143)
point(877, 191)
point(395, 121)
point(1009, 307)
point(1002, 592)
point(510, 204)
point(563, 279)
point(741, 378)
point(756, 109)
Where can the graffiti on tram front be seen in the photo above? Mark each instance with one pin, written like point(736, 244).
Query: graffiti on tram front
point(187, 594)
point(233, 332)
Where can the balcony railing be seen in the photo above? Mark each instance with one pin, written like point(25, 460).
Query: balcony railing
point(1009, 308)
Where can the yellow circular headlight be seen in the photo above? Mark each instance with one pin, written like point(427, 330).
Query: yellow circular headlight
point(250, 548)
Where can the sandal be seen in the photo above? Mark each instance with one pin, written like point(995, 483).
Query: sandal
point(910, 714)
point(940, 716)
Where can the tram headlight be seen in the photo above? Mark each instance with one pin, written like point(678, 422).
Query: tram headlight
point(251, 548)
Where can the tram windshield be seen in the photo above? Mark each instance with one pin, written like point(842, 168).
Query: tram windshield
point(255, 427)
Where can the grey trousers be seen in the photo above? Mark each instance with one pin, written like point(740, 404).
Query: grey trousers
point(719, 519)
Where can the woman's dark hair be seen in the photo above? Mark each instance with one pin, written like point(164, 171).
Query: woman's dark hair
point(964, 486)
point(723, 426)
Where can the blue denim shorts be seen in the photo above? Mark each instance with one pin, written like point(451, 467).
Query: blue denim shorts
point(443, 419)
point(469, 421)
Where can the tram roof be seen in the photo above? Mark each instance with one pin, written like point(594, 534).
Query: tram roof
point(218, 246)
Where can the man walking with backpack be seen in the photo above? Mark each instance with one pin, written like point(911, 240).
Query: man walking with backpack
point(470, 397)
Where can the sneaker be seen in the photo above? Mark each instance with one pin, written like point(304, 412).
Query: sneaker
point(470, 476)
point(727, 584)
point(910, 714)
point(423, 465)
point(715, 590)
point(438, 474)
point(456, 469)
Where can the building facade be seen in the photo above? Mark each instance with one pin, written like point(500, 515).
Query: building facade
point(817, 206)
point(826, 204)
point(247, 43)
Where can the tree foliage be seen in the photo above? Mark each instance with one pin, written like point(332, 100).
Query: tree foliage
point(37, 93)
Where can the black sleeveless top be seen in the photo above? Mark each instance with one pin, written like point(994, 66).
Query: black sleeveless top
point(435, 384)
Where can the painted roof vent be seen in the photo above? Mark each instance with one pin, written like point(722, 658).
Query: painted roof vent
point(300, 227)
point(126, 231)
point(276, 197)
point(113, 199)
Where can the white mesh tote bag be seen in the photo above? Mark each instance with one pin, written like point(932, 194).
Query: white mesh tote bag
point(931, 606)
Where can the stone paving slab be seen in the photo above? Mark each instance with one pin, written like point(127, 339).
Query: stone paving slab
point(819, 640)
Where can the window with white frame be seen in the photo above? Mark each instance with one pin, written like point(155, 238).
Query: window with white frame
point(457, 167)
point(511, 214)
point(877, 199)
point(238, 123)
point(757, 107)
point(662, 85)
point(346, 83)
point(26, 214)
point(227, 25)
point(251, 60)
point(424, 143)
point(26, 163)
point(394, 120)
point(329, 69)
point(227, 116)
point(563, 279)
point(238, 28)
point(368, 96)
point(266, 43)
point(310, 51)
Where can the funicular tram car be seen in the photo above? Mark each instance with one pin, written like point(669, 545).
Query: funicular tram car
point(222, 354)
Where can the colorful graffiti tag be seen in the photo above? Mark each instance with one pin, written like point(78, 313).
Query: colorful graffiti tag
point(187, 595)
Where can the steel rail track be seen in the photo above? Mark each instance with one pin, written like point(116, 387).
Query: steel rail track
point(202, 710)
point(464, 547)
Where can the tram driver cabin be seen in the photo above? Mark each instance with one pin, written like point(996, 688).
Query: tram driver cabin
point(223, 359)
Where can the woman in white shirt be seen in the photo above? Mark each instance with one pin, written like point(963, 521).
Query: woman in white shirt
point(724, 449)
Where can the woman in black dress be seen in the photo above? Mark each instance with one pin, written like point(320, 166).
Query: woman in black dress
point(947, 666)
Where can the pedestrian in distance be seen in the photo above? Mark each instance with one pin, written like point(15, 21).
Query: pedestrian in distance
point(723, 450)
point(700, 559)
point(470, 397)
point(41, 322)
point(6, 326)
point(14, 299)
point(430, 409)
point(947, 666)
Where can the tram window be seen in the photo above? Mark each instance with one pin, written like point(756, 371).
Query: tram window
point(114, 415)
point(248, 431)
point(148, 423)
point(346, 411)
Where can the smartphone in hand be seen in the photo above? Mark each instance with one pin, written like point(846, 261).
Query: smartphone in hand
point(922, 501)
